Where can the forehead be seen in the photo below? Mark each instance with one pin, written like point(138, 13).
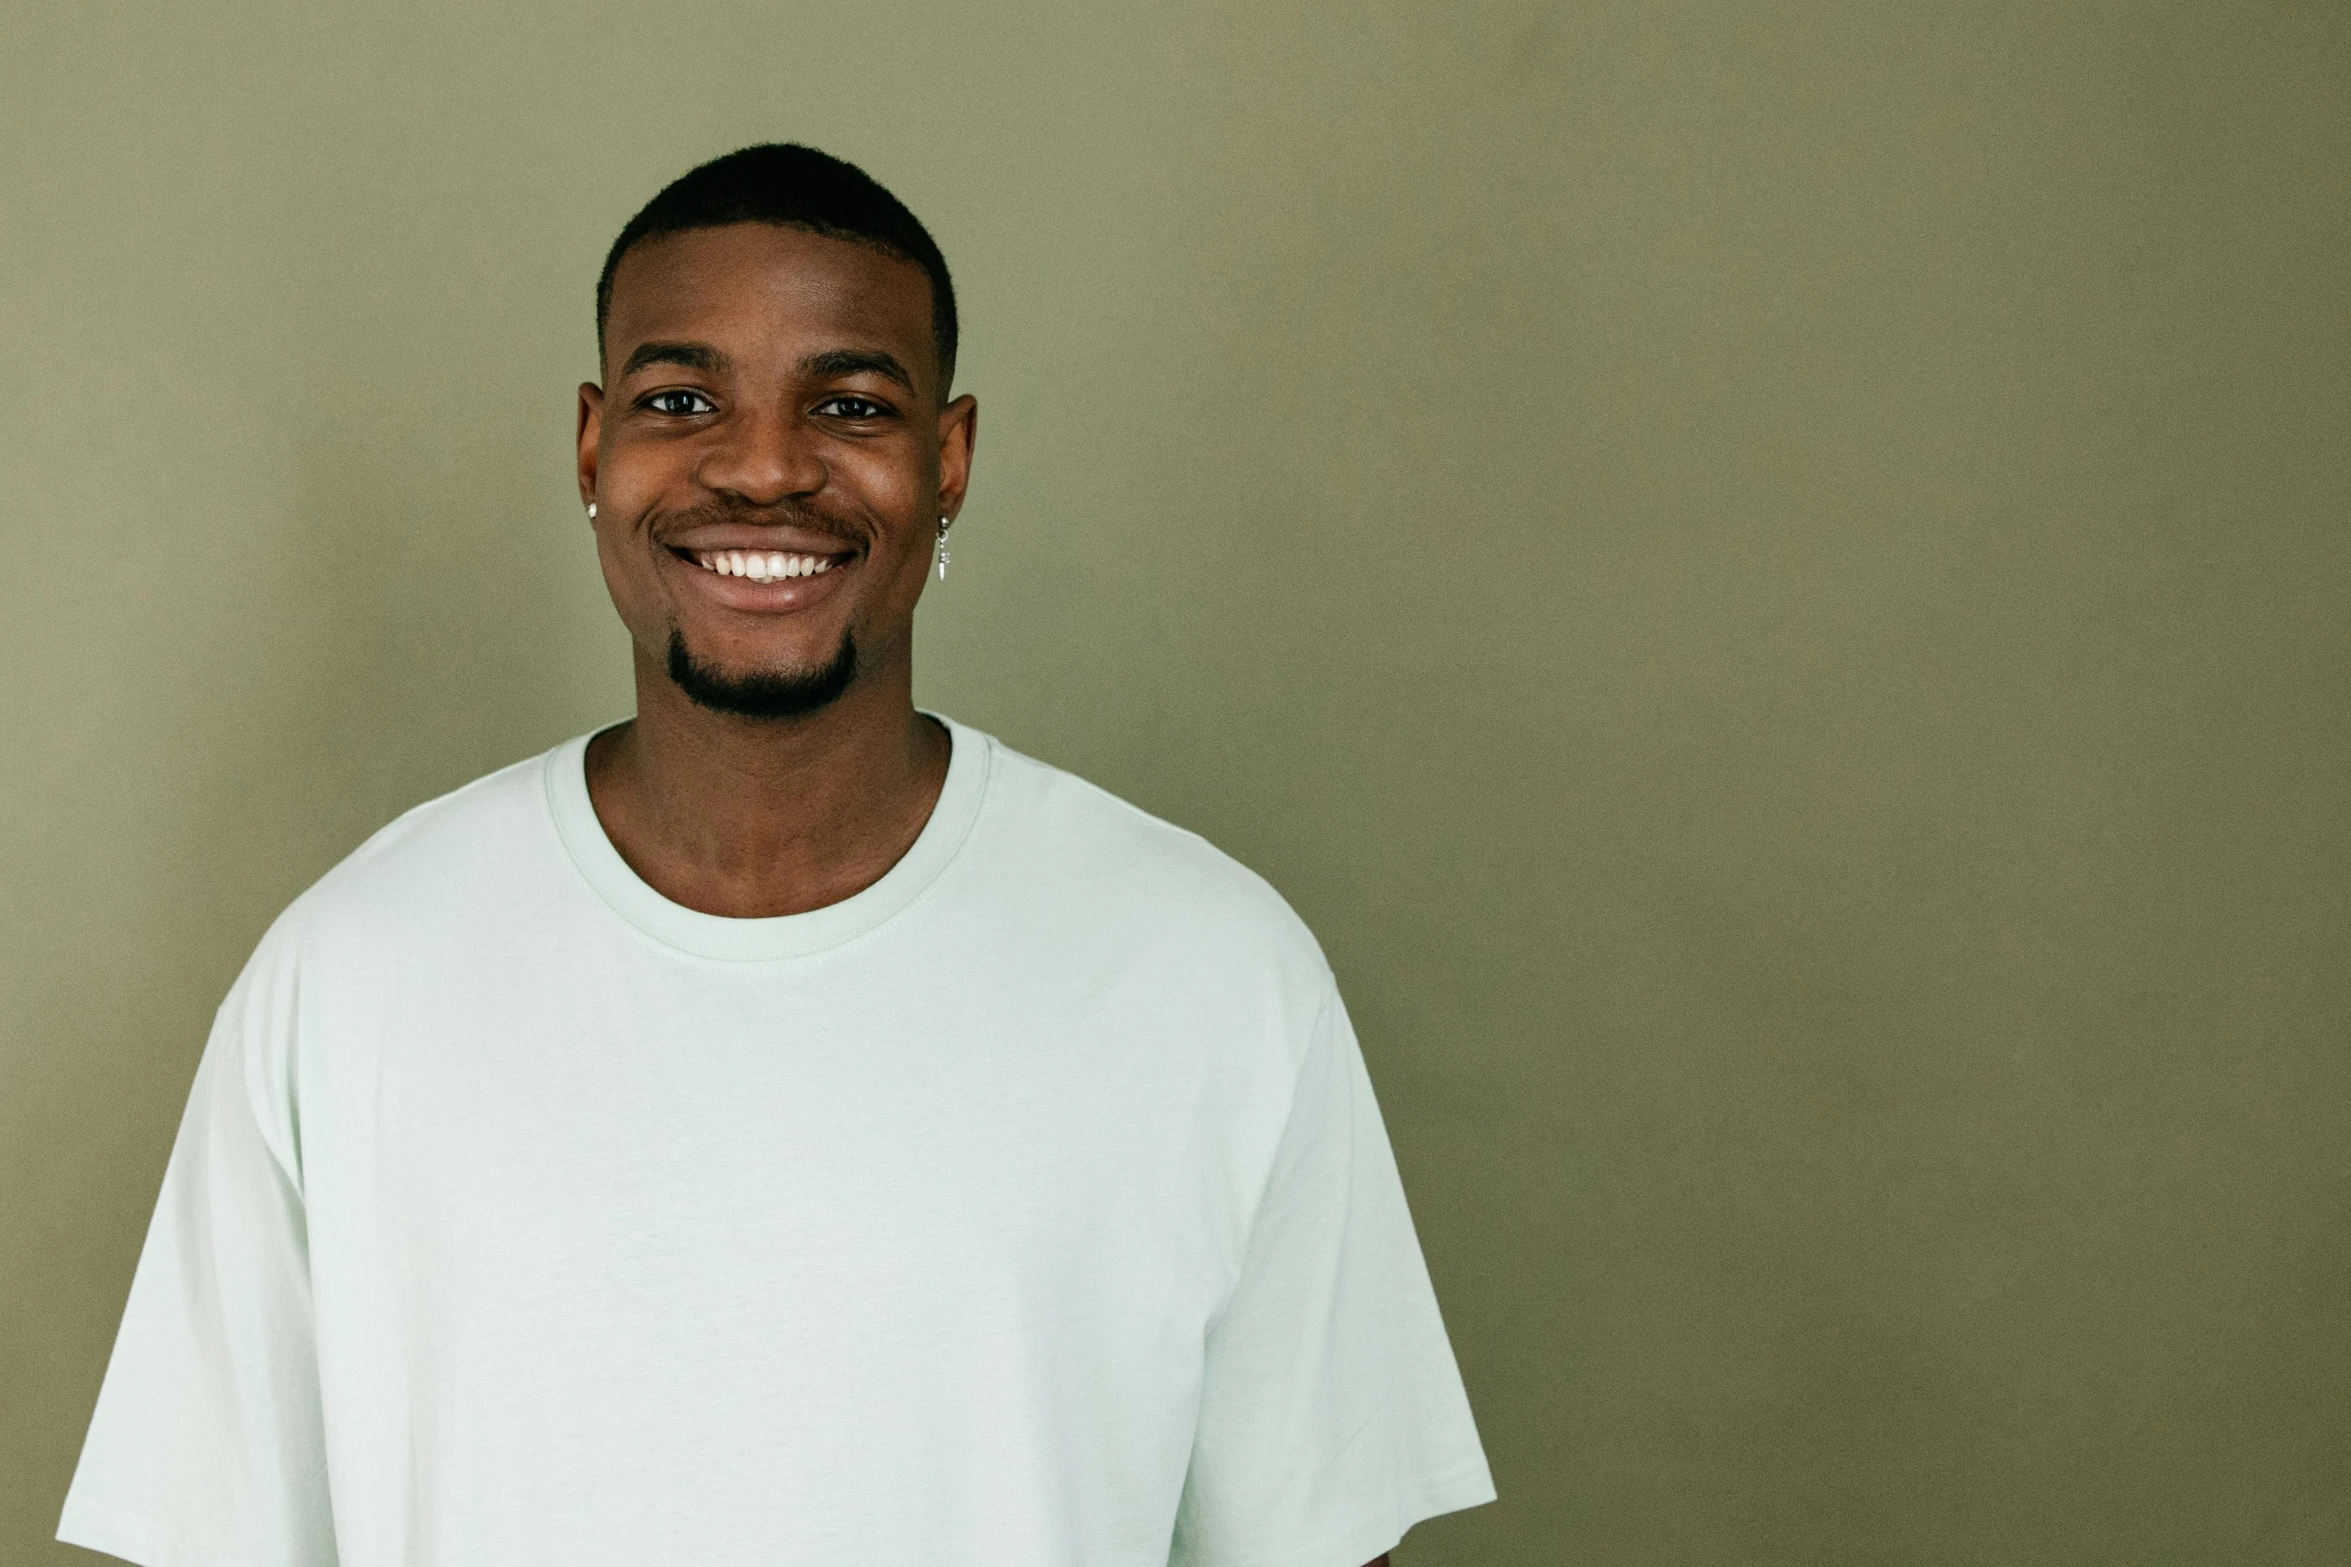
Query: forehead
point(750, 288)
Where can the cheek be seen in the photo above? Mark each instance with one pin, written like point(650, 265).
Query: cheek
point(906, 493)
point(628, 577)
point(632, 479)
point(633, 473)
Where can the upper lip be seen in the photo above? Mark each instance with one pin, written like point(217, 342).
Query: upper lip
point(772, 539)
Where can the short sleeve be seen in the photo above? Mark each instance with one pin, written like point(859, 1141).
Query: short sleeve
point(1332, 1416)
point(206, 1448)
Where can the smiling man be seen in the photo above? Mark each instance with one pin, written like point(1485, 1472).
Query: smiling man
point(787, 1128)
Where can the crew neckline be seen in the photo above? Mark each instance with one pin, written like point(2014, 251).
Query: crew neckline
point(782, 936)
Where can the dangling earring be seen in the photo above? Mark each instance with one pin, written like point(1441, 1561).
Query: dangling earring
point(942, 549)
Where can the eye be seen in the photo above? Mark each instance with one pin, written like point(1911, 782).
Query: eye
point(679, 403)
point(851, 406)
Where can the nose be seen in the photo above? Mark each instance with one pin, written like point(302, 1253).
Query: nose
point(763, 458)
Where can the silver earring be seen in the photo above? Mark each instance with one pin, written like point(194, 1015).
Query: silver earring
point(942, 549)
point(591, 511)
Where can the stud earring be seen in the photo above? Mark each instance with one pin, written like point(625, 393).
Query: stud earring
point(591, 511)
point(942, 549)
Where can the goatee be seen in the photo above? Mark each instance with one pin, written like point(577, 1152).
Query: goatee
point(768, 693)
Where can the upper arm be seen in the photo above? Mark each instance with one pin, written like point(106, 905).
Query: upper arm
point(1331, 1416)
point(207, 1442)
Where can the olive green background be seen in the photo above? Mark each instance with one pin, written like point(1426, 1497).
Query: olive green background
point(1770, 578)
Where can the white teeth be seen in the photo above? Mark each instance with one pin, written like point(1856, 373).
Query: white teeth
point(759, 566)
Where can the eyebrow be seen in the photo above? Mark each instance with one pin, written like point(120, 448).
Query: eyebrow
point(857, 361)
point(694, 356)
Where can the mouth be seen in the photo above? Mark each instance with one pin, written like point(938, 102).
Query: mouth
point(760, 565)
point(764, 581)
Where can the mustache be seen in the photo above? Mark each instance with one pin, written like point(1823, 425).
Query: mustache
point(783, 514)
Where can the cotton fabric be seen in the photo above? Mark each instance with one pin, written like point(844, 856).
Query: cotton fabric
point(1030, 1208)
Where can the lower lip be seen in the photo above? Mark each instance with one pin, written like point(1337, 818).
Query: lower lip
point(776, 597)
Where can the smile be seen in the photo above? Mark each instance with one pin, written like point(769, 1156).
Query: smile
point(759, 565)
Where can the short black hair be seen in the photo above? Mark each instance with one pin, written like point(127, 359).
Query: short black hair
point(793, 187)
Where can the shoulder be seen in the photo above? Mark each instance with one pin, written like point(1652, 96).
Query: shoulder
point(363, 920)
point(1058, 838)
point(460, 856)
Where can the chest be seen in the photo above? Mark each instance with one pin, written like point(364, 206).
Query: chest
point(609, 1158)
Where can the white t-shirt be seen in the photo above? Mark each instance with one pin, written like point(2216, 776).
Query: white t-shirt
point(1028, 1209)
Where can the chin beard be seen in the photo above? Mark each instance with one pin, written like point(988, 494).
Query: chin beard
point(767, 693)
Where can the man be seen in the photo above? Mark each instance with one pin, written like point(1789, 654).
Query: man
point(787, 1128)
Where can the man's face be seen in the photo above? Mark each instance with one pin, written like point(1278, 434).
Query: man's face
point(769, 455)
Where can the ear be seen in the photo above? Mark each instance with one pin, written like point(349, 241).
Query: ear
point(589, 434)
point(959, 433)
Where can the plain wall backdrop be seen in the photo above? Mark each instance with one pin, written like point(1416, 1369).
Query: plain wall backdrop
point(1770, 578)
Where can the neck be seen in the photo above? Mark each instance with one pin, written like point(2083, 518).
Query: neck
point(753, 817)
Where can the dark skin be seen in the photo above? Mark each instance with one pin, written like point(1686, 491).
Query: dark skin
point(773, 392)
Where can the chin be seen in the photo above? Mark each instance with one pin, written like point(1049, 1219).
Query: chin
point(775, 687)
